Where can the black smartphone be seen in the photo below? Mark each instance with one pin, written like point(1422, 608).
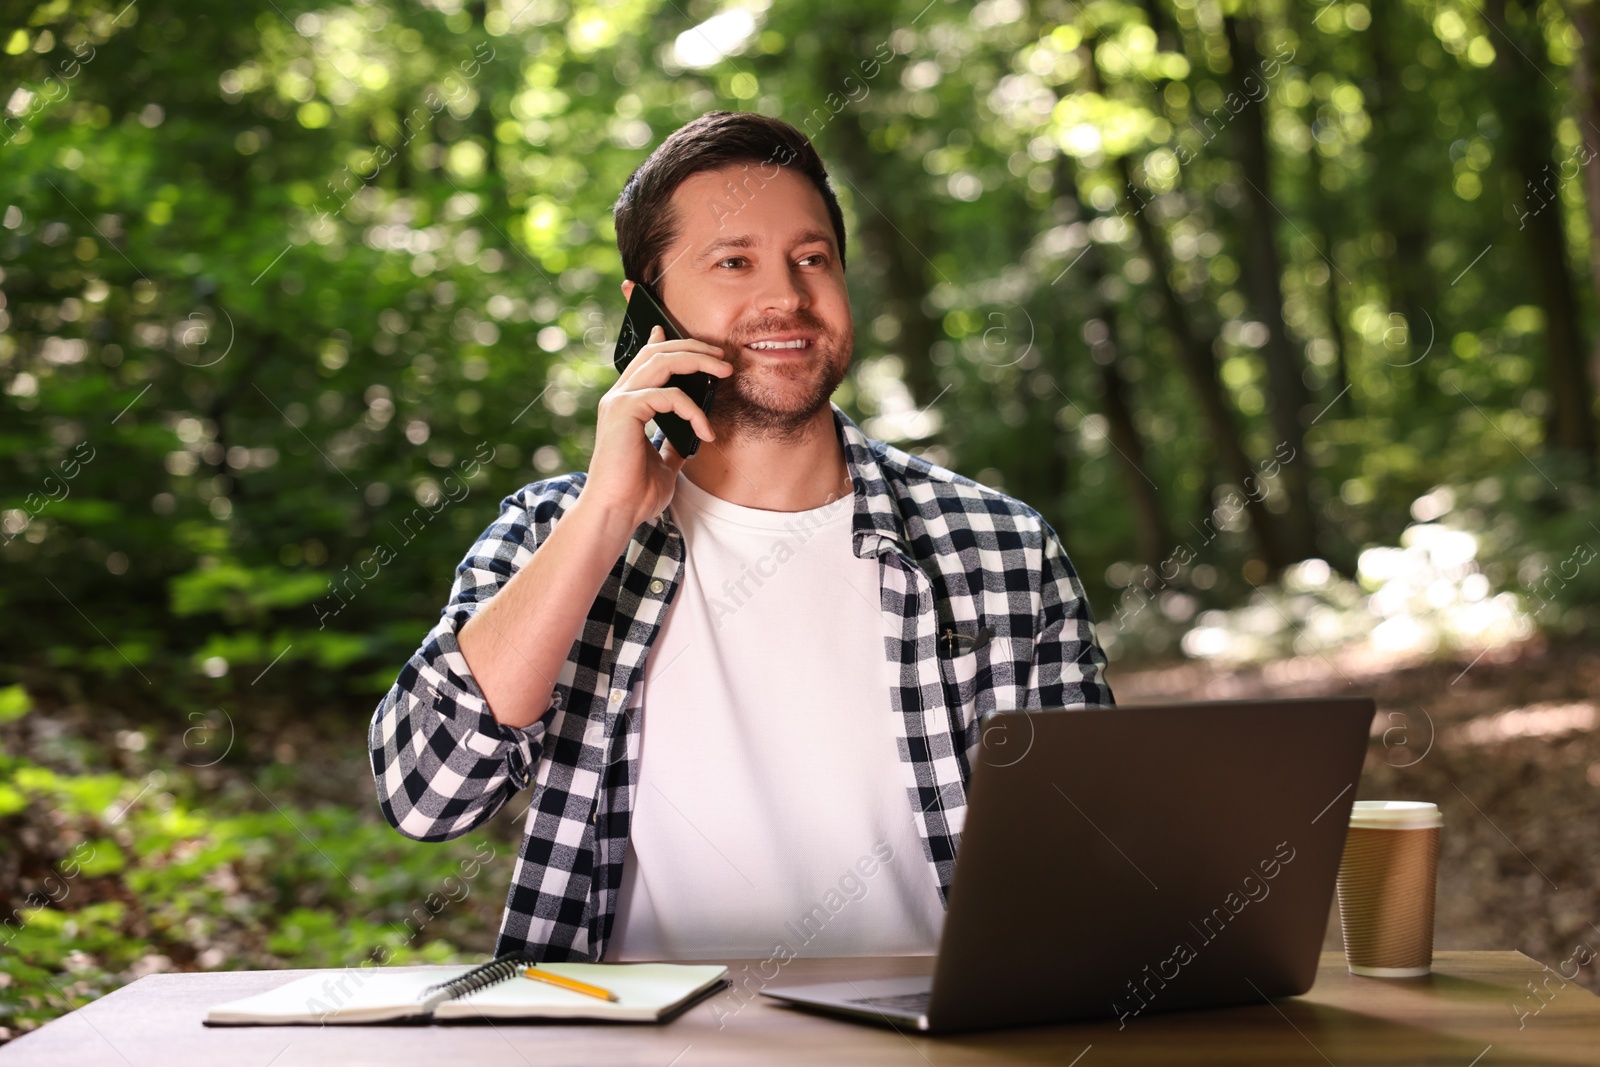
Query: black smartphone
point(644, 314)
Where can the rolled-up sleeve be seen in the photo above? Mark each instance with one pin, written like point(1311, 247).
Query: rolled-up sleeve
point(441, 762)
point(1069, 665)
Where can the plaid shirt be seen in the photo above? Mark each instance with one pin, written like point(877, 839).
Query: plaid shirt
point(954, 557)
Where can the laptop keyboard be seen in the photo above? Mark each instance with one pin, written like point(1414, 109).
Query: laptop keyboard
point(916, 1003)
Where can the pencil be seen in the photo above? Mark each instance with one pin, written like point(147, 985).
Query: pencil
point(570, 983)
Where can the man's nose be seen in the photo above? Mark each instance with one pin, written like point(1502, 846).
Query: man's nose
point(781, 290)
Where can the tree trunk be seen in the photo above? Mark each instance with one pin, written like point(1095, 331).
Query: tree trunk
point(1518, 91)
point(1326, 211)
point(1332, 306)
point(481, 122)
point(1399, 129)
point(1196, 354)
point(1290, 398)
point(1586, 91)
point(902, 281)
point(1151, 538)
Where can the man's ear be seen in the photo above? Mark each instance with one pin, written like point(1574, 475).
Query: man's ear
point(627, 289)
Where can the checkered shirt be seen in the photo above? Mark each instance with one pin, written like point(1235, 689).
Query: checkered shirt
point(953, 557)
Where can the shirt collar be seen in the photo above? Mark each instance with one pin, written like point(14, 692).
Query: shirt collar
point(877, 511)
point(877, 514)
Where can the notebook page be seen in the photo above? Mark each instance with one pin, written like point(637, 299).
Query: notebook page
point(352, 995)
point(644, 992)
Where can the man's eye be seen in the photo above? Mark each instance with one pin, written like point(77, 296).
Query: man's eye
point(731, 259)
point(818, 256)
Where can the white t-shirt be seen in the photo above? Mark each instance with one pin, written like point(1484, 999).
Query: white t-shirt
point(771, 808)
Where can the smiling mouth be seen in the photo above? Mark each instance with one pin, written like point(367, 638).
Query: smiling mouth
point(799, 344)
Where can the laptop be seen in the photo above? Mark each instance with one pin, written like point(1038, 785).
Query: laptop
point(1118, 862)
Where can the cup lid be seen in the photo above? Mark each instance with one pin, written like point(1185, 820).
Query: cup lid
point(1395, 814)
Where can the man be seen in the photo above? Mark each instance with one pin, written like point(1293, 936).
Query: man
point(745, 688)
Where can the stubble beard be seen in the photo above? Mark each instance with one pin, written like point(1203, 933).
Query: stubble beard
point(778, 399)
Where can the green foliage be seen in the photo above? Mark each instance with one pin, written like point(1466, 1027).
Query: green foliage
point(150, 873)
point(295, 297)
point(58, 961)
point(241, 594)
point(14, 703)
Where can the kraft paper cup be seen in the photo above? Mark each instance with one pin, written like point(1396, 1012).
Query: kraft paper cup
point(1387, 880)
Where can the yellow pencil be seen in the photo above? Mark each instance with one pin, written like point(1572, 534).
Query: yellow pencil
point(570, 983)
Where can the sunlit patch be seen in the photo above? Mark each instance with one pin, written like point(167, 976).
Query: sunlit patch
point(1535, 720)
point(1427, 594)
point(719, 36)
point(881, 382)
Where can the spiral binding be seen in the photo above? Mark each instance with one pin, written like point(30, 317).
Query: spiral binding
point(487, 974)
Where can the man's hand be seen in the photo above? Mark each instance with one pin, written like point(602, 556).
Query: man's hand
point(628, 480)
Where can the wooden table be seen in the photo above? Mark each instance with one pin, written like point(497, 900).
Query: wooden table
point(1462, 1016)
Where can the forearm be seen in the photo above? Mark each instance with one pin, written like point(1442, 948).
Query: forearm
point(517, 643)
point(441, 764)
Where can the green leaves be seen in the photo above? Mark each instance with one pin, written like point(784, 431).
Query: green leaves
point(14, 703)
point(243, 594)
point(145, 869)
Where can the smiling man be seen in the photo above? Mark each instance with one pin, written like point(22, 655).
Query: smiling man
point(745, 689)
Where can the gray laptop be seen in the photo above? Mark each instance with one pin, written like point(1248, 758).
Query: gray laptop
point(1124, 861)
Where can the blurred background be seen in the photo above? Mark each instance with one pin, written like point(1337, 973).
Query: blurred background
point(1282, 313)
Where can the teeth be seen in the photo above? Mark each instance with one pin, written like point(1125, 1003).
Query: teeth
point(798, 343)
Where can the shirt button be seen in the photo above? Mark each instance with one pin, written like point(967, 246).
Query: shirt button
point(657, 585)
point(618, 695)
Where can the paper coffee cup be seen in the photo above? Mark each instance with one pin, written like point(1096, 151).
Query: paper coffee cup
point(1387, 880)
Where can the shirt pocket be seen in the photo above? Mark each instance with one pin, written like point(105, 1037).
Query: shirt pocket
point(967, 659)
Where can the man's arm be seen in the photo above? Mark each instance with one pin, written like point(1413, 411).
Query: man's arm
point(461, 728)
point(1068, 663)
point(442, 762)
point(517, 644)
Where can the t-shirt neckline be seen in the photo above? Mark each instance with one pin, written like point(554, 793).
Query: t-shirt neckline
point(688, 496)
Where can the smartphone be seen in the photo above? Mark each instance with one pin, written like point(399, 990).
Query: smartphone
point(644, 314)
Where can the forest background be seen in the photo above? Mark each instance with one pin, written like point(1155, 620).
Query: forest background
point(1284, 314)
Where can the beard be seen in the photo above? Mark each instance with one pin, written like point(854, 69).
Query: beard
point(777, 398)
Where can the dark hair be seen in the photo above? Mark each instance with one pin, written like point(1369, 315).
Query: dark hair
point(645, 223)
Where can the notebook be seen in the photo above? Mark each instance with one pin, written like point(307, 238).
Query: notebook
point(646, 993)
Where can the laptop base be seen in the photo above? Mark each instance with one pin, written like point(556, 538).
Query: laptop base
point(898, 1002)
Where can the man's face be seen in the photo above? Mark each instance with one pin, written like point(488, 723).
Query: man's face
point(755, 265)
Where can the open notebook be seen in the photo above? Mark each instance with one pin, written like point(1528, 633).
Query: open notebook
point(646, 992)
